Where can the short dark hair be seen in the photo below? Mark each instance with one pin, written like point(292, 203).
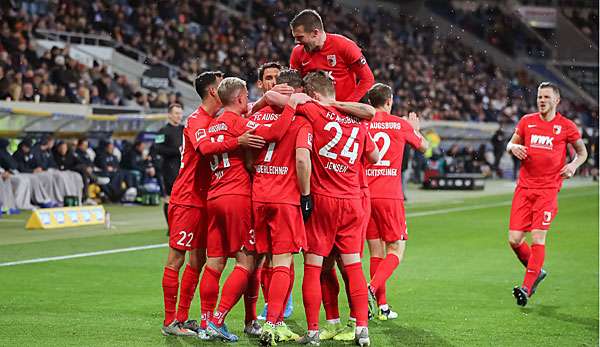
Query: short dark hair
point(204, 80)
point(268, 65)
point(289, 76)
point(309, 19)
point(379, 94)
point(550, 85)
point(174, 105)
point(320, 82)
point(81, 140)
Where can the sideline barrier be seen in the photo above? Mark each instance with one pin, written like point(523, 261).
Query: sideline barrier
point(63, 217)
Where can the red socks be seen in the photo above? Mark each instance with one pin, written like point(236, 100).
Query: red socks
point(534, 266)
point(330, 289)
point(170, 284)
point(384, 271)
point(232, 291)
point(251, 296)
point(311, 295)
point(189, 282)
point(380, 293)
point(358, 294)
point(265, 280)
point(280, 283)
point(209, 294)
point(522, 251)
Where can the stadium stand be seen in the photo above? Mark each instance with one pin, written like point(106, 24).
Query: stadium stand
point(443, 79)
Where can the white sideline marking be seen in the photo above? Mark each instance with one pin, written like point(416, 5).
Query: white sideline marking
point(82, 255)
point(140, 248)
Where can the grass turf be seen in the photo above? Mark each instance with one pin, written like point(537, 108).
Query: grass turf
point(453, 287)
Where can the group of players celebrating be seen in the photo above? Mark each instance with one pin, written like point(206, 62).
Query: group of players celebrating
point(309, 169)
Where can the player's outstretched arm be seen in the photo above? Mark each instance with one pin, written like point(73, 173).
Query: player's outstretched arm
point(581, 156)
point(270, 99)
point(278, 128)
point(356, 109)
point(515, 148)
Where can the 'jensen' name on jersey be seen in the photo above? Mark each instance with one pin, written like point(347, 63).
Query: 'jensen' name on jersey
point(540, 141)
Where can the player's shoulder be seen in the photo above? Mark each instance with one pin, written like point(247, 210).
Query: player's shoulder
point(565, 121)
point(297, 50)
point(530, 117)
point(340, 39)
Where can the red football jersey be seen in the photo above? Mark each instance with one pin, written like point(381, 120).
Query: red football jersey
point(275, 177)
point(192, 182)
point(338, 146)
point(546, 144)
point(390, 133)
point(229, 176)
point(336, 56)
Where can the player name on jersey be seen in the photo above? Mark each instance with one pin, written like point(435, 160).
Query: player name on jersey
point(382, 172)
point(272, 170)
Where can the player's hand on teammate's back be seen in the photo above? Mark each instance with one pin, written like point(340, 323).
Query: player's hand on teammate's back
point(283, 89)
point(568, 171)
point(306, 204)
point(300, 98)
point(519, 151)
point(250, 140)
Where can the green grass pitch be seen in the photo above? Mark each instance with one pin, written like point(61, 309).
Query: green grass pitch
point(452, 289)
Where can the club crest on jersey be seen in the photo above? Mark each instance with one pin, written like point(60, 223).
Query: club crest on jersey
point(200, 134)
point(331, 60)
point(557, 129)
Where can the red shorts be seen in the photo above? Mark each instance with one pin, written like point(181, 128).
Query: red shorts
point(365, 201)
point(387, 220)
point(533, 209)
point(335, 224)
point(187, 227)
point(278, 228)
point(229, 225)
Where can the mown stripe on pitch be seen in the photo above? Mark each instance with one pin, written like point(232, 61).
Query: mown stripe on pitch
point(141, 248)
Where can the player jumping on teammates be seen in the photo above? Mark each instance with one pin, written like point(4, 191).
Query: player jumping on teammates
point(317, 50)
point(540, 143)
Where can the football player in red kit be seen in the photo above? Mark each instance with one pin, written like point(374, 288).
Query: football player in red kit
point(387, 233)
point(336, 221)
point(187, 214)
point(229, 205)
point(317, 50)
point(540, 143)
point(280, 196)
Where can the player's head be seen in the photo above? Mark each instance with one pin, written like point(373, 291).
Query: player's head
point(175, 114)
point(234, 94)
point(206, 84)
point(380, 96)
point(319, 85)
point(266, 75)
point(548, 97)
point(292, 78)
point(307, 27)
